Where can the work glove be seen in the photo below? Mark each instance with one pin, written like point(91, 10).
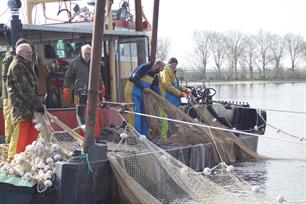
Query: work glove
point(66, 94)
point(182, 95)
point(146, 90)
point(102, 92)
point(41, 109)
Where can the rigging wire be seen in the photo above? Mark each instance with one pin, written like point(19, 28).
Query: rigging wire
point(213, 127)
point(265, 109)
point(3, 12)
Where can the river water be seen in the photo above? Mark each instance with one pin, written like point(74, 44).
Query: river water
point(285, 104)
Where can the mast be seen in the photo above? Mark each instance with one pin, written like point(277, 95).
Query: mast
point(94, 74)
point(154, 30)
point(14, 6)
point(141, 56)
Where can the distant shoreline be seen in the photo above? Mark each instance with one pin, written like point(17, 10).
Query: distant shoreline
point(245, 82)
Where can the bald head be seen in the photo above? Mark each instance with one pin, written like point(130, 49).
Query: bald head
point(24, 50)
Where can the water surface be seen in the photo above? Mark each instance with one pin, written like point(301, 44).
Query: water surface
point(275, 177)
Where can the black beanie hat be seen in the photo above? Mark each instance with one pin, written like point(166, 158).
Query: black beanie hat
point(172, 60)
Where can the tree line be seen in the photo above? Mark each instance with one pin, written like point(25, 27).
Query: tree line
point(236, 52)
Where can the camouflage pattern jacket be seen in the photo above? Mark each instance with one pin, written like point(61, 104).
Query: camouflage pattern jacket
point(9, 55)
point(21, 86)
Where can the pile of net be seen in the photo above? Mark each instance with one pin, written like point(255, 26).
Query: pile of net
point(3, 152)
point(37, 163)
point(146, 173)
point(182, 131)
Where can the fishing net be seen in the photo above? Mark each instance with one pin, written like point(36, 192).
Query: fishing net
point(3, 152)
point(183, 131)
point(37, 163)
point(146, 173)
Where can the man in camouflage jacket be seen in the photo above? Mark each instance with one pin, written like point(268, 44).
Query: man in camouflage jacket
point(8, 126)
point(21, 86)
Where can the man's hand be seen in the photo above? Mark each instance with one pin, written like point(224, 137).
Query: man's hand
point(182, 95)
point(186, 91)
point(66, 94)
point(41, 109)
point(146, 90)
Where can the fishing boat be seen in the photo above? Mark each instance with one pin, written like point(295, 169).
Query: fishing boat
point(124, 48)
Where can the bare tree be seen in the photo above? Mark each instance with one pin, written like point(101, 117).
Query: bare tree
point(249, 56)
point(295, 46)
point(202, 44)
point(277, 50)
point(235, 47)
point(218, 47)
point(263, 40)
point(163, 48)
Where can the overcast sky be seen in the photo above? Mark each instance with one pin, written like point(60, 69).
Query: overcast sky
point(179, 18)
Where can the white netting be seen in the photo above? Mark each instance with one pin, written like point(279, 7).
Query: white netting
point(148, 174)
point(37, 162)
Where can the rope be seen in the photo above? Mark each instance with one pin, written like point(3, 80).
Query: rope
point(212, 127)
point(213, 139)
point(85, 157)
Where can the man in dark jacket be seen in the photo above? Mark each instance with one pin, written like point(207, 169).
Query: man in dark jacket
point(76, 81)
point(8, 126)
point(21, 87)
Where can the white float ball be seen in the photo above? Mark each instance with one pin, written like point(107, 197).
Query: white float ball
point(49, 160)
point(234, 128)
point(57, 157)
point(229, 169)
point(207, 171)
point(27, 176)
point(28, 147)
point(255, 189)
point(48, 183)
point(163, 157)
point(47, 167)
point(214, 120)
point(41, 165)
point(49, 174)
point(256, 128)
point(41, 172)
point(39, 146)
point(20, 158)
point(124, 135)
point(142, 137)
point(280, 199)
point(55, 147)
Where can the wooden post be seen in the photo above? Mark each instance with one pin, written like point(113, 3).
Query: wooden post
point(141, 56)
point(154, 30)
point(94, 74)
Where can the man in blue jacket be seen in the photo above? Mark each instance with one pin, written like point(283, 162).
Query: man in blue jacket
point(142, 78)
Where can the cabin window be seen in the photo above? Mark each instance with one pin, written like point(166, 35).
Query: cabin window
point(128, 50)
point(63, 49)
